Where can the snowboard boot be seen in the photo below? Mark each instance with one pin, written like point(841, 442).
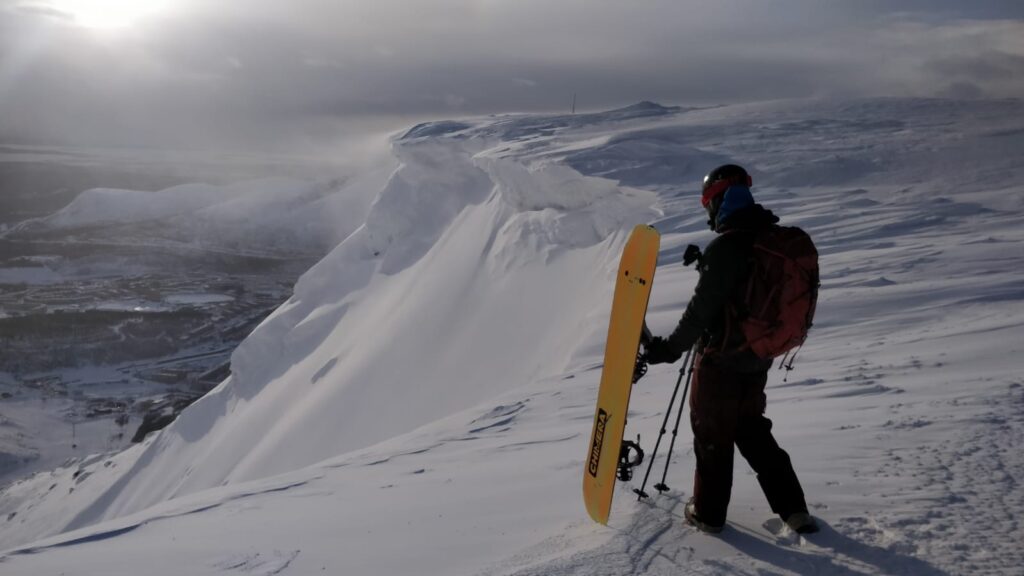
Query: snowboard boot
point(802, 523)
point(690, 511)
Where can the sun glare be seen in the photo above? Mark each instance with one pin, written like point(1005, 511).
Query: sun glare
point(109, 13)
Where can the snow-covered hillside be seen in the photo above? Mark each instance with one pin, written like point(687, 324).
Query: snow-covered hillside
point(422, 404)
point(275, 216)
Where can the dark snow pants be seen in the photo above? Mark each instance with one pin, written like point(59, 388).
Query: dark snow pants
point(727, 409)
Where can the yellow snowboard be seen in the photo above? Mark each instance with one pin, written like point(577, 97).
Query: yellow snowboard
point(629, 306)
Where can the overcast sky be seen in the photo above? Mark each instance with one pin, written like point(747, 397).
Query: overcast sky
point(273, 74)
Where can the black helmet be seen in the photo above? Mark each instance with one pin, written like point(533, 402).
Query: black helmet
point(719, 179)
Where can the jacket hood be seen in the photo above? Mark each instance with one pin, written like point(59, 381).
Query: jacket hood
point(735, 198)
point(752, 216)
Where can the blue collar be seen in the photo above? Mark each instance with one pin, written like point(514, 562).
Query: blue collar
point(736, 197)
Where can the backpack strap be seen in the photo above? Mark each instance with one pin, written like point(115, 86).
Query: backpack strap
point(732, 312)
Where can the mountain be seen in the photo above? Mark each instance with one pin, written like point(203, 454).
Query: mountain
point(423, 402)
point(271, 216)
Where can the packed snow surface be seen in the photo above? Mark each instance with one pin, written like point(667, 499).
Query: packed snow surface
point(422, 405)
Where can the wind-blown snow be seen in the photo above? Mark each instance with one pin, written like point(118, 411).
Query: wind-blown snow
point(422, 404)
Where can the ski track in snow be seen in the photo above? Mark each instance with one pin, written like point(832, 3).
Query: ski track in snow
point(904, 418)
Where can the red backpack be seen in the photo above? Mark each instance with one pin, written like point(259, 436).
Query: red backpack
point(778, 302)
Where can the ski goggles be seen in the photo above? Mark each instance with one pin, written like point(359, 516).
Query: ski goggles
point(713, 189)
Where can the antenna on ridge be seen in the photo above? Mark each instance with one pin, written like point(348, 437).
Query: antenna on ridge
point(573, 109)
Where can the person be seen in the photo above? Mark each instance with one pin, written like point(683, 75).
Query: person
point(727, 398)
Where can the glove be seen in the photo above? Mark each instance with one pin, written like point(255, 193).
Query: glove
point(658, 351)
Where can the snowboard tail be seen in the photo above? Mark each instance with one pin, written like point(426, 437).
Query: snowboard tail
point(629, 306)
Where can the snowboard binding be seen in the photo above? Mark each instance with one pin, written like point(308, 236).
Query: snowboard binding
point(640, 368)
point(628, 461)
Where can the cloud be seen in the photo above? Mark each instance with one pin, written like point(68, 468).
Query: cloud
point(43, 10)
point(963, 90)
point(262, 73)
point(929, 59)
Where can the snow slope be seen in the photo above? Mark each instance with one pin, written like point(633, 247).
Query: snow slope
point(422, 404)
point(276, 216)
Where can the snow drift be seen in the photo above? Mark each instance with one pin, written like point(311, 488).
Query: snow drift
point(406, 322)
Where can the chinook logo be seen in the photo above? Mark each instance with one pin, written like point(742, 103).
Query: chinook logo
point(595, 449)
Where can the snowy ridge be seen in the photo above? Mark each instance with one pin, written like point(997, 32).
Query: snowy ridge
point(422, 404)
point(353, 357)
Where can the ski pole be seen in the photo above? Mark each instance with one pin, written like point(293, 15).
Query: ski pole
point(640, 491)
point(662, 487)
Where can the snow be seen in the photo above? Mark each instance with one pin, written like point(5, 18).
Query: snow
point(271, 216)
point(423, 402)
point(198, 298)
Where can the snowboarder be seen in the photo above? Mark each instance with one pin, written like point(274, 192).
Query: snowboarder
point(727, 399)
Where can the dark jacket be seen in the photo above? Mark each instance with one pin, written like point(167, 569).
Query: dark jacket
point(724, 270)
